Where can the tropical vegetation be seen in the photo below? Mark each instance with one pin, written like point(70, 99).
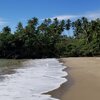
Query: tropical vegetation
point(48, 39)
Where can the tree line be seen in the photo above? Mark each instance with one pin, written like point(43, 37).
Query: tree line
point(46, 39)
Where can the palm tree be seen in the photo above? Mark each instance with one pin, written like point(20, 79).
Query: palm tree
point(68, 25)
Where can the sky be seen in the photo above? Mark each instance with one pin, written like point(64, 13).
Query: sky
point(13, 11)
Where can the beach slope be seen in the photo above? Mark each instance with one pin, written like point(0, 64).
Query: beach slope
point(84, 79)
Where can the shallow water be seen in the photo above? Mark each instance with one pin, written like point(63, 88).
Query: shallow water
point(32, 80)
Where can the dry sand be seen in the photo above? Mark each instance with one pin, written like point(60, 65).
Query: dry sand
point(83, 80)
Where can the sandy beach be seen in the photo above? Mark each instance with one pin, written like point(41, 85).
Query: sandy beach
point(83, 79)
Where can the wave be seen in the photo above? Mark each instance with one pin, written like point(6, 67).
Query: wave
point(31, 81)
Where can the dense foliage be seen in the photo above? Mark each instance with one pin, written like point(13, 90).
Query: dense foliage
point(47, 39)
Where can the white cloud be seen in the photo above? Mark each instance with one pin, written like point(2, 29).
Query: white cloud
point(89, 15)
point(92, 15)
point(64, 17)
point(2, 22)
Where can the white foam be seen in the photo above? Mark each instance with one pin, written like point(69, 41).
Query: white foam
point(34, 79)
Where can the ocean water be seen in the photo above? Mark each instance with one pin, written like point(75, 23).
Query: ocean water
point(31, 81)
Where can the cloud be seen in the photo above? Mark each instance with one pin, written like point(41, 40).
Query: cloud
point(64, 17)
point(2, 22)
point(89, 15)
point(92, 15)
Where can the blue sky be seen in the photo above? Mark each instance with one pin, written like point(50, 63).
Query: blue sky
point(13, 11)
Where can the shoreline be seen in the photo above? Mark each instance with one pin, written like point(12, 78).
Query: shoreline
point(58, 93)
point(83, 79)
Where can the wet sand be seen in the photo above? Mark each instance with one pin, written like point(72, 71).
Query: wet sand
point(83, 79)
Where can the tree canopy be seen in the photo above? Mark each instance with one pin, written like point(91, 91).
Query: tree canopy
point(46, 39)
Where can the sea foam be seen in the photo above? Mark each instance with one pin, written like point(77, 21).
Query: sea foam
point(31, 81)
